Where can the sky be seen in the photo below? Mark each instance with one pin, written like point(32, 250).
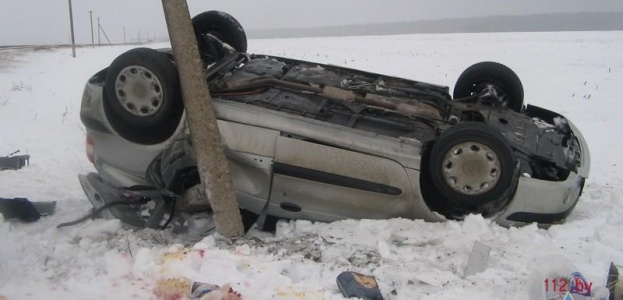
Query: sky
point(47, 21)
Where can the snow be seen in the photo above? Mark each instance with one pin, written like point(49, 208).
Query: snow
point(575, 73)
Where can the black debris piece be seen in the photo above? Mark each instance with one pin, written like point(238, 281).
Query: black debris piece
point(14, 162)
point(356, 285)
point(24, 210)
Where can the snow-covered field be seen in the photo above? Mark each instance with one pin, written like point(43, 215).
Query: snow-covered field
point(579, 74)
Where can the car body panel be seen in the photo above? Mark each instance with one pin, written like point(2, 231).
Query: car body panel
point(247, 138)
point(250, 151)
point(329, 182)
point(119, 162)
point(398, 149)
point(113, 154)
point(547, 201)
point(251, 176)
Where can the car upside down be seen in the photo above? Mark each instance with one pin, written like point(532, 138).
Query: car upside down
point(320, 142)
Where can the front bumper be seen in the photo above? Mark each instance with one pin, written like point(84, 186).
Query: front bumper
point(547, 202)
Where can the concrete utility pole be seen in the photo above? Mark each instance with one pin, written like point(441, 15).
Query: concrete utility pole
point(204, 132)
point(92, 38)
point(99, 41)
point(71, 24)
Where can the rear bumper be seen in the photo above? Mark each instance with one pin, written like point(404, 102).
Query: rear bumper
point(125, 203)
point(547, 202)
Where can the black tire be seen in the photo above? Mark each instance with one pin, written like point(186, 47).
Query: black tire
point(223, 26)
point(472, 164)
point(142, 95)
point(474, 79)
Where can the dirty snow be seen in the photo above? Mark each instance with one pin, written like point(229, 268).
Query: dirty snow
point(578, 74)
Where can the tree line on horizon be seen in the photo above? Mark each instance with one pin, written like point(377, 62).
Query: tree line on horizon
point(588, 21)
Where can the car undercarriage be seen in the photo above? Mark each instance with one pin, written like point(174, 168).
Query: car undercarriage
point(396, 107)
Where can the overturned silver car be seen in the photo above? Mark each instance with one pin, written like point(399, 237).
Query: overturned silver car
point(321, 142)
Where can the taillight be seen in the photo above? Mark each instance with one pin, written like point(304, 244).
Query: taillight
point(90, 154)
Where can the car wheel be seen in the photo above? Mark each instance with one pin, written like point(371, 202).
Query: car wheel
point(495, 77)
point(472, 164)
point(223, 26)
point(143, 95)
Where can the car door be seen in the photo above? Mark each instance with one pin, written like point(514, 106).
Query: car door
point(321, 182)
point(249, 152)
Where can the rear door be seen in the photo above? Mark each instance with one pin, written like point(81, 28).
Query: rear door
point(249, 151)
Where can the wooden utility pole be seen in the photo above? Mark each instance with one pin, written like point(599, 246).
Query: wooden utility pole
point(204, 132)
